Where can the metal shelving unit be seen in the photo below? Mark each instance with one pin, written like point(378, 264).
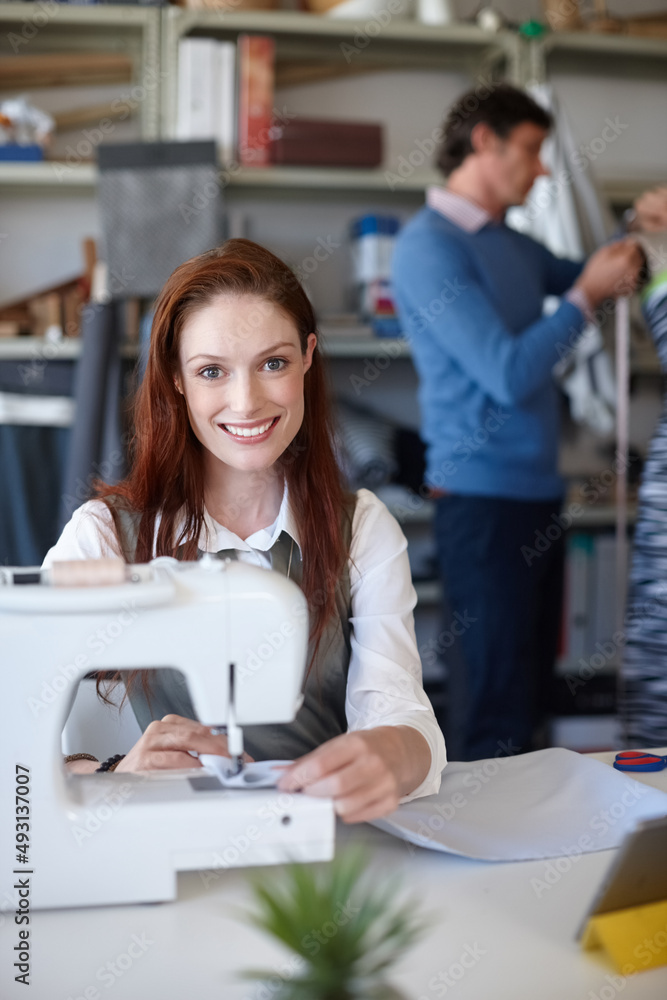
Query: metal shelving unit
point(28, 28)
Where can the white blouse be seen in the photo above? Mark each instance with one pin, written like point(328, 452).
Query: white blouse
point(384, 686)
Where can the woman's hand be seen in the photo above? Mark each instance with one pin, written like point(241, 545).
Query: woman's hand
point(651, 210)
point(366, 772)
point(165, 744)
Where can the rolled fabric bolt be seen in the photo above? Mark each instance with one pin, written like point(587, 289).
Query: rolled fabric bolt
point(89, 573)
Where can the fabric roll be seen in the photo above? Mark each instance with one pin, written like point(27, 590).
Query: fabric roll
point(96, 445)
point(365, 447)
point(568, 213)
point(34, 437)
point(643, 688)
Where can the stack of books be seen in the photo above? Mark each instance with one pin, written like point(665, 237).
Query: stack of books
point(226, 92)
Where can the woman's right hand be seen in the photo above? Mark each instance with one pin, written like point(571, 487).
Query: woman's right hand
point(164, 746)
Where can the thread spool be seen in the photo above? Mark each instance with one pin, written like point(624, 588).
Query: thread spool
point(89, 573)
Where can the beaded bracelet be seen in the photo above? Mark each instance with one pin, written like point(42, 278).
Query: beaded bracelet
point(80, 756)
point(111, 763)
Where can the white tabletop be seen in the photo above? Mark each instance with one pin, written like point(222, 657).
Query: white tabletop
point(518, 940)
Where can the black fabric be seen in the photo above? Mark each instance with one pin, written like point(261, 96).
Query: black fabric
point(97, 446)
point(410, 453)
point(32, 460)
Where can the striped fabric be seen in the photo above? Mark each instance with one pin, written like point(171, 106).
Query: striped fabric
point(643, 690)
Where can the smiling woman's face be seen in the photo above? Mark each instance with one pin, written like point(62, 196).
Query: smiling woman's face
point(241, 371)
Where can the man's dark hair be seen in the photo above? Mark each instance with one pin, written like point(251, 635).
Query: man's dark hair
point(502, 108)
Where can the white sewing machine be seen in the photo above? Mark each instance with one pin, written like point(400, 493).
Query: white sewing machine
point(121, 838)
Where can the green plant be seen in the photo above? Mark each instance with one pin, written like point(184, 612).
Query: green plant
point(347, 932)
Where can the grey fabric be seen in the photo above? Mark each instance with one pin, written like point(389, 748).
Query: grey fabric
point(160, 204)
point(96, 443)
point(365, 444)
point(322, 714)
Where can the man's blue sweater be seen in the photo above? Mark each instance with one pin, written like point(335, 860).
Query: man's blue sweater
point(471, 305)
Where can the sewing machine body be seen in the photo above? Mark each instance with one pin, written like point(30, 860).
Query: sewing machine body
point(120, 838)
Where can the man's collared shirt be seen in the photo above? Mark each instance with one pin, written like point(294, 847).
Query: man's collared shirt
point(459, 210)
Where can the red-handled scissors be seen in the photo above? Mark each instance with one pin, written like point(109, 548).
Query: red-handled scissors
point(639, 760)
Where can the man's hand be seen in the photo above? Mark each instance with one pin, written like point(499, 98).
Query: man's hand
point(651, 209)
point(612, 271)
point(366, 772)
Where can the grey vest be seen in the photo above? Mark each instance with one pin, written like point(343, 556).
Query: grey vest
point(322, 714)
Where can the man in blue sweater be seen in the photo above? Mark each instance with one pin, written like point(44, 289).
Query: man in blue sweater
point(470, 294)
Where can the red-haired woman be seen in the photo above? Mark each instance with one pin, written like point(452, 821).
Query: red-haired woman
point(233, 453)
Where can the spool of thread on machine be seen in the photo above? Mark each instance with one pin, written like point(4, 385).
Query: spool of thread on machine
point(89, 573)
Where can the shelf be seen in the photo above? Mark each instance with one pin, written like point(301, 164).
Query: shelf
point(49, 176)
point(306, 25)
point(573, 667)
point(60, 27)
point(595, 53)
point(428, 591)
point(37, 348)
point(623, 191)
point(81, 21)
point(335, 345)
point(57, 175)
point(328, 46)
point(319, 178)
point(603, 516)
point(600, 43)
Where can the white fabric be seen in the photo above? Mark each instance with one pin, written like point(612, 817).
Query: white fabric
point(567, 212)
point(384, 685)
point(547, 804)
point(258, 774)
point(39, 411)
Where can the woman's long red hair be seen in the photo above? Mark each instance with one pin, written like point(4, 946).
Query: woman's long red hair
point(167, 473)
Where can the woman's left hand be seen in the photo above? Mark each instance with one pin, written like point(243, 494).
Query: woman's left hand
point(365, 772)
